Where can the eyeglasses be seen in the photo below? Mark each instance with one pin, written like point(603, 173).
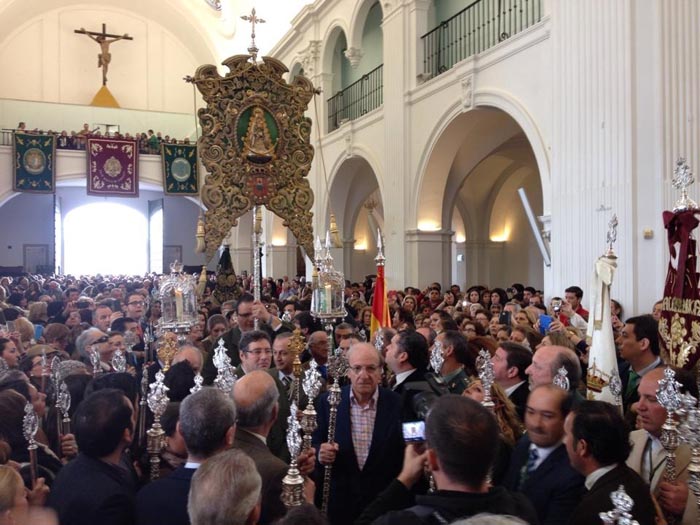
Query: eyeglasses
point(259, 352)
point(370, 369)
point(136, 303)
point(102, 339)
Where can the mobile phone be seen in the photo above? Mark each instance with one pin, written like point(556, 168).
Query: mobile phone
point(504, 318)
point(11, 327)
point(82, 304)
point(556, 305)
point(414, 431)
point(545, 322)
point(38, 332)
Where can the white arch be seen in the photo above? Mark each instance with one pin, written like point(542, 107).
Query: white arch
point(485, 98)
point(357, 23)
point(335, 28)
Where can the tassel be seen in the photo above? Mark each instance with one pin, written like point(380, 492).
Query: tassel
point(199, 246)
point(335, 234)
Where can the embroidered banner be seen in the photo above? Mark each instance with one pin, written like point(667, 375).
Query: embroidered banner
point(34, 156)
point(112, 167)
point(180, 169)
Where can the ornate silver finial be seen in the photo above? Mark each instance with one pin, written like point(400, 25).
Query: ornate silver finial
point(337, 364)
point(622, 508)
point(378, 340)
point(287, 317)
point(95, 360)
point(198, 380)
point(615, 386)
point(682, 180)
point(611, 236)
point(30, 424)
point(225, 376)
point(158, 395)
point(312, 381)
point(380, 259)
point(437, 357)
point(293, 431)
point(4, 367)
point(63, 400)
point(119, 361)
point(486, 375)
point(561, 380)
point(55, 372)
point(669, 394)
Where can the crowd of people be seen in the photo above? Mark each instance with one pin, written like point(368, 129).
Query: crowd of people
point(149, 143)
point(412, 440)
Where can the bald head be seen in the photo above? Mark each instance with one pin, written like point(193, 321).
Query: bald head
point(548, 359)
point(363, 352)
point(256, 398)
point(191, 354)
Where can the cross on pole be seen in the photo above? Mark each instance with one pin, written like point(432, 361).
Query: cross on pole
point(253, 19)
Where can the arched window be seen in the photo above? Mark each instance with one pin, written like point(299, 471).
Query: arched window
point(106, 238)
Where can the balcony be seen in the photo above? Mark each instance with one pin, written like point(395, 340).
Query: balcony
point(357, 99)
point(478, 27)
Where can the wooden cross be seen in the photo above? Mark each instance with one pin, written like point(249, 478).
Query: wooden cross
point(103, 39)
point(253, 19)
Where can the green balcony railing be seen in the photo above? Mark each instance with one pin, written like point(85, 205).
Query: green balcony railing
point(476, 28)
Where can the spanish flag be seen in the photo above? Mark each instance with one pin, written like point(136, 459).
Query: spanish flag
point(380, 304)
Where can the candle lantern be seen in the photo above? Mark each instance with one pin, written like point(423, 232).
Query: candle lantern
point(178, 296)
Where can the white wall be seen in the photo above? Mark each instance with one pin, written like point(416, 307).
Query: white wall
point(26, 219)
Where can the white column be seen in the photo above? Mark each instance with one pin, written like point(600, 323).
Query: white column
point(429, 253)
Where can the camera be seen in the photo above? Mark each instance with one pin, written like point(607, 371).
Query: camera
point(556, 305)
point(82, 304)
point(414, 431)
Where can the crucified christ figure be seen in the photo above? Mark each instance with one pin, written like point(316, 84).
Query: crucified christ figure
point(104, 40)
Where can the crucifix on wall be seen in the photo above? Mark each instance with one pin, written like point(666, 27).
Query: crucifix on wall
point(104, 39)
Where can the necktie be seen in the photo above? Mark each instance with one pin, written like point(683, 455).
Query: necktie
point(632, 384)
point(532, 458)
point(286, 381)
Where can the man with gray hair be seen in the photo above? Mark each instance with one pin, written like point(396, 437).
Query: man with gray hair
point(225, 490)
point(208, 425)
point(256, 396)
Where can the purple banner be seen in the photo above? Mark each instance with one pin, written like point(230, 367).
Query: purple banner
point(112, 167)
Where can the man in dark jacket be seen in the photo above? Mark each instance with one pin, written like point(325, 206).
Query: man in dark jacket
point(459, 456)
point(94, 488)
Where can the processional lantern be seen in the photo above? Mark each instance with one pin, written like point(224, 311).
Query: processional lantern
point(178, 296)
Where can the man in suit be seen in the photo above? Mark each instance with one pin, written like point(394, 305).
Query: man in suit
point(208, 425)
point(407, 358)
point(256, 354)
point(367, 451)
point(256, 398)
point(597, 443)
point(648, 456)
point(639, 347)
point(509, 364)
point(539, 466)
point(247, 310)
point(547, 361)
point(94, 487)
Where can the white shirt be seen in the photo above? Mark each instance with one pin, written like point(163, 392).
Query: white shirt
point(400, 378)
point(513, 388)
point(597, 474)
point(648, 455)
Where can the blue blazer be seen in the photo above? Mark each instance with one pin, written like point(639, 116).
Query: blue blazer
point(165, 500)
point(353, 489)
point(554, 488)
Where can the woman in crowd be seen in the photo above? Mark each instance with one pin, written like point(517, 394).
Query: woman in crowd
point(9, 352)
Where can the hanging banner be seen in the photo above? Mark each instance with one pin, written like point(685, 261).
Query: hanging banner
point(112, 167)
point(180, 169)
point(35, 166)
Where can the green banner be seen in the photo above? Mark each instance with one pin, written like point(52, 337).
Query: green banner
point(180, 169)
point(35, 166)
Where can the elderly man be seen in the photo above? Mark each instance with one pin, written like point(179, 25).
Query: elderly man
point(648, 455)
point(368, 448)
point(256, 398)
point(546, 363)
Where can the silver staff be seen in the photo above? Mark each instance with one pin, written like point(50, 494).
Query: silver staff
point(622, 508)
point(63, 401)
point(669, 397)
point(225, 373)
point(312, 386)
point(689, 414)
point(157, 402)
point(198, 381)
point(30, 426)
point(55, 384)
point(437, 357)
point(293, 482)
point(142, 409)
point(119, 361)
point(485, 367)
point(337, 368)
point(561, 380)
point(257, 258)
point(95, 360)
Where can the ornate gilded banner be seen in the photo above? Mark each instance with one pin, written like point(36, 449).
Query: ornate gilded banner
point(180, 169)
point(34, 162)
point(255, 144)
point(112, 167)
